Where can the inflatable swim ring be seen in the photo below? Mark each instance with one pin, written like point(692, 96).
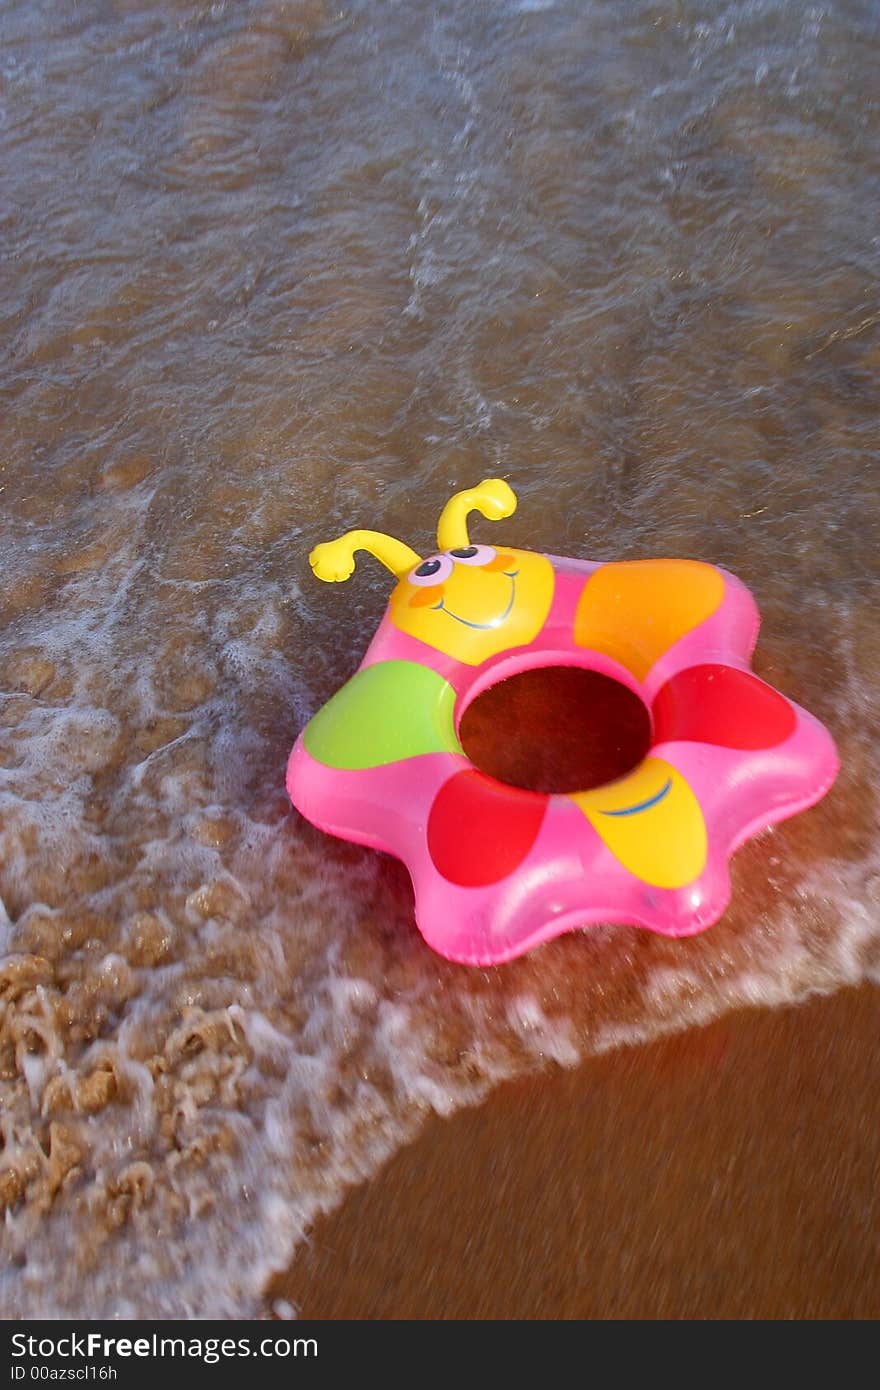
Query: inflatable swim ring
point(497, 869)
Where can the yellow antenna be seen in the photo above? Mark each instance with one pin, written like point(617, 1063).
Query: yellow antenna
point(494, 498)
point(333, 561)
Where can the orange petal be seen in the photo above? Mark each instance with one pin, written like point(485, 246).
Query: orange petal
point(634, 610)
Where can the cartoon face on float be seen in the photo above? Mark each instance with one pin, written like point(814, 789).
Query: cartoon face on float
point(473, 601)
point(469, 601)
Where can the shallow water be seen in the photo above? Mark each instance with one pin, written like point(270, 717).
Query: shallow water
point(277, 269)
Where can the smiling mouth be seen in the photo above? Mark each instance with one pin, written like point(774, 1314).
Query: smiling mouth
point(482, 627)
point(641, 805)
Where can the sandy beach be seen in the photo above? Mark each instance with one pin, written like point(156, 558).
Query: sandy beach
point(728, 1172)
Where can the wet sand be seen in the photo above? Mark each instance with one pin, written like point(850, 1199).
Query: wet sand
point(728, 1172)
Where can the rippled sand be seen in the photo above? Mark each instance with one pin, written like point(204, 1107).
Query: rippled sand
point(277, 269)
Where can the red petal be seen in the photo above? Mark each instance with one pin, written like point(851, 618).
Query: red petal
point(480, 830)
point(724, 706)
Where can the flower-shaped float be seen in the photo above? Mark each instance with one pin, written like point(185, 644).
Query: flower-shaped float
point(497, 869)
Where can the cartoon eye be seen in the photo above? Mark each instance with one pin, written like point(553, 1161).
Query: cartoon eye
point(474, 554)
point(434, 570)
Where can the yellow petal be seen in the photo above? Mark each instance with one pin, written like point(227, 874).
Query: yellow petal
point(651, 822)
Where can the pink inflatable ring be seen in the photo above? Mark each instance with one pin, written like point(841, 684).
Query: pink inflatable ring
point(496, 870)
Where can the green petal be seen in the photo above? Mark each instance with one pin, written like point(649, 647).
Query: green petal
point(385, 713)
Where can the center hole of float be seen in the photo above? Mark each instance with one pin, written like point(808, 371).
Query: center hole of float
point(556, 729)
